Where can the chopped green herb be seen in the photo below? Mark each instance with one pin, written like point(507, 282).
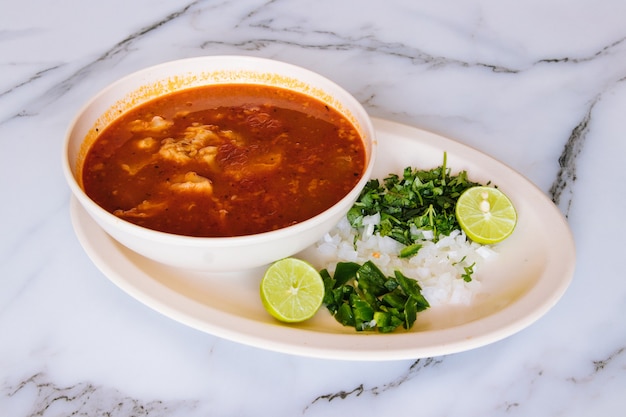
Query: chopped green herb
point(469, 270)
point(424, 199)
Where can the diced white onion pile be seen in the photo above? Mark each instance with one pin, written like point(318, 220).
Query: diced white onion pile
point(437, 266)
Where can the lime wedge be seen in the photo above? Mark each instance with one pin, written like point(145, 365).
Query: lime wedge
point(292, 290)
point(486, 214)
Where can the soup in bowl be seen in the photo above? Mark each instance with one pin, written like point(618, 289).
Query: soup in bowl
point(219, 163)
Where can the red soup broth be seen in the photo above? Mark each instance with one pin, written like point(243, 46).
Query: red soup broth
point(224, 160)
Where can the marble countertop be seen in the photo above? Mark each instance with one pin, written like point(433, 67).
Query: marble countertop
point(541, 86)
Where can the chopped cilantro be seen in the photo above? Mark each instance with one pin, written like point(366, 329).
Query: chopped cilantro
point(422, 198)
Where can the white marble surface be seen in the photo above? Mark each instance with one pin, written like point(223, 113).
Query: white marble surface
point(539, 85)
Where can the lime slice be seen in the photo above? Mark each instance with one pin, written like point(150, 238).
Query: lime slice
point(292, 290)
point(486, 214)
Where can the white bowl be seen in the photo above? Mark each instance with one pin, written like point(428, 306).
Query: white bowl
point(206, 253)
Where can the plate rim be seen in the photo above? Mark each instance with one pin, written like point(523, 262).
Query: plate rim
point(304, 342)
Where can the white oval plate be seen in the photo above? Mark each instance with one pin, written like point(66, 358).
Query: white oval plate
point(532, 271)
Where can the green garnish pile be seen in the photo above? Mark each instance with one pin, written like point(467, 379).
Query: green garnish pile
point(423, 198)
point(361, 296)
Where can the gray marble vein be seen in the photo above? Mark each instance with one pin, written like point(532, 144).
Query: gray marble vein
point(48, 398)
point(361, 390)
point(562, 189)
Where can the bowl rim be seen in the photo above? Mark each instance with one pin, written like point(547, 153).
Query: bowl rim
point(225, 241)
